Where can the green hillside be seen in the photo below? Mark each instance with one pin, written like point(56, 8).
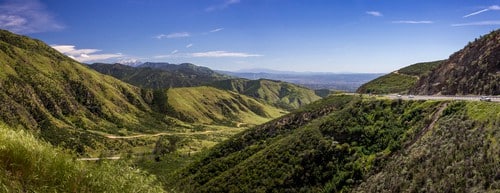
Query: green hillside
point(209, 105)
point(400, 81)
point(28, 165)
point(335, 144)
point(160, 75)
point(62, 100)
point(281, 94)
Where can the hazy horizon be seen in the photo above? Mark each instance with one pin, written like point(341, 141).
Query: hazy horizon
point(360, 36)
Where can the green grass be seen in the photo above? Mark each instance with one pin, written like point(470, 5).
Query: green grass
point(400, 81)
point(44, 91)
point(207, 105)
point(390, 83)
point(420, 69)
point(281, 94)
point(28, 165)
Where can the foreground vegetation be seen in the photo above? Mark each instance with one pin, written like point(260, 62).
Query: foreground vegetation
point(29, 165)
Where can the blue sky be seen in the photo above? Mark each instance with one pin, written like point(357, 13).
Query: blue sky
point(289, 35)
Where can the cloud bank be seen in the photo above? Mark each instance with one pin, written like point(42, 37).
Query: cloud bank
point(84, 55)
point(26, 16)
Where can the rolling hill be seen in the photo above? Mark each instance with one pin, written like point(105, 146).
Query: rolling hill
point(62, 100)
point(400, 81)
point(281, 94)
point(208, 105)
point(474, 70)
point(164, 75)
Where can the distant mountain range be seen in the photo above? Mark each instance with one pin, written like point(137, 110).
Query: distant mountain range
point(314, 80)
point(164, 75)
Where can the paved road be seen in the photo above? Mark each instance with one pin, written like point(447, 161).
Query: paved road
point(436, 97)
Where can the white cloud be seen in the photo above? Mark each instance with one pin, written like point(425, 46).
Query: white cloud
point(216, 30)
point(84, 55)
point(26, 16)
point(490, 8)
point(412, 22)
point(374, 13)
point(494, 7)
point(189, 45)
point(222, 6)
point(209, 54)
point(175, 51)
point(477, 23)
point(173, 35)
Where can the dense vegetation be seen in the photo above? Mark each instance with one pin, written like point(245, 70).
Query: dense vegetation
point(28, 165)
point(473, 70)
point(329, 146)
point(348, 143)
point(281, 94)
point(460, 154)
point(400, 81)
point(160, 75)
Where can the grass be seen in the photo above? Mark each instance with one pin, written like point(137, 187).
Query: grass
point(28, 165)
point(390, 83)
point(400, 81)
point(207, 105)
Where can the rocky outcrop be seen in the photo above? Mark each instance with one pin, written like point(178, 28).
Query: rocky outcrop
point(474, 70)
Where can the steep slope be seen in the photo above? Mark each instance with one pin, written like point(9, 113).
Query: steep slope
point(400, 81)
point(160, 75)
point(473, 70)
point(348, 143)
point(213, 106)
point(61, 99)
point(281, 94)
point(459, 154)
point(331, 144)
point(28, 165)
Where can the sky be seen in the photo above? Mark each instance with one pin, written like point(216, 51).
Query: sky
point(365, 36)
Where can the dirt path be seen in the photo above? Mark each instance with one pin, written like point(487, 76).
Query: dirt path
point(98, 158)
point(158, 134)
point(435, 118)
